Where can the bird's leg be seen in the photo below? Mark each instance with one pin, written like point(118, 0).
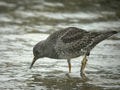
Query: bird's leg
point(69, 65)
point(84, 61)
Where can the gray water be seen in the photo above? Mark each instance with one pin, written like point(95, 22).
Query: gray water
point(23, 23)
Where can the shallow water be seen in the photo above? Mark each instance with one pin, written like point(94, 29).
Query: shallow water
point(23, 23)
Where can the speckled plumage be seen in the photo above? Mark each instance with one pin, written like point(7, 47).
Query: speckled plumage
point(69, 43)
point(73, 42)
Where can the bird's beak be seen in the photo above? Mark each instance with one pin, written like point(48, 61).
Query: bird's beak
point(34, 59)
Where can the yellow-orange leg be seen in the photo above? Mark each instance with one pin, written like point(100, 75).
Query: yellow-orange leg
point(84, 61)
point(69, 65)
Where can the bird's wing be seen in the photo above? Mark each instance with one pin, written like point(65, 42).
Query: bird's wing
point(75, 40)
point(72, 35)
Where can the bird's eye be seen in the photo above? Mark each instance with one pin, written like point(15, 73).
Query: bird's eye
point(37, 52)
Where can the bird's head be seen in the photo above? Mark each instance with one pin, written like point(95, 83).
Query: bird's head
point(38, 52)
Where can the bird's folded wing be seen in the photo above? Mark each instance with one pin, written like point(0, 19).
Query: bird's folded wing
point(73, 35)
point(75, 40)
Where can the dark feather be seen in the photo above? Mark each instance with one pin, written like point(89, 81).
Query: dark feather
point(73, 34)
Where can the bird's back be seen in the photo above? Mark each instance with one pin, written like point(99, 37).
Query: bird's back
point(70, 31)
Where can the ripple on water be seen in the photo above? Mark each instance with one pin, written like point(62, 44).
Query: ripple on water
point(23, 23)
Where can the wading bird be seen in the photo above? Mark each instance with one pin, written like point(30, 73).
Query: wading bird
point(69, 43)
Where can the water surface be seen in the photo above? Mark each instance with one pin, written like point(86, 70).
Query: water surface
point(23, 23)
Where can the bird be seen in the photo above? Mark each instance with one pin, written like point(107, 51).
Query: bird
point(69, 43)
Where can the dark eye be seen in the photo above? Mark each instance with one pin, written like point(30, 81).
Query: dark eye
point(37, 52)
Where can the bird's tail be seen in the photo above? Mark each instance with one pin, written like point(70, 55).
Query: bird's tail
point(104, 36)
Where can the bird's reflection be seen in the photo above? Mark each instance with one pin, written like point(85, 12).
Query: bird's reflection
point(82, 77)
point(62, 81)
